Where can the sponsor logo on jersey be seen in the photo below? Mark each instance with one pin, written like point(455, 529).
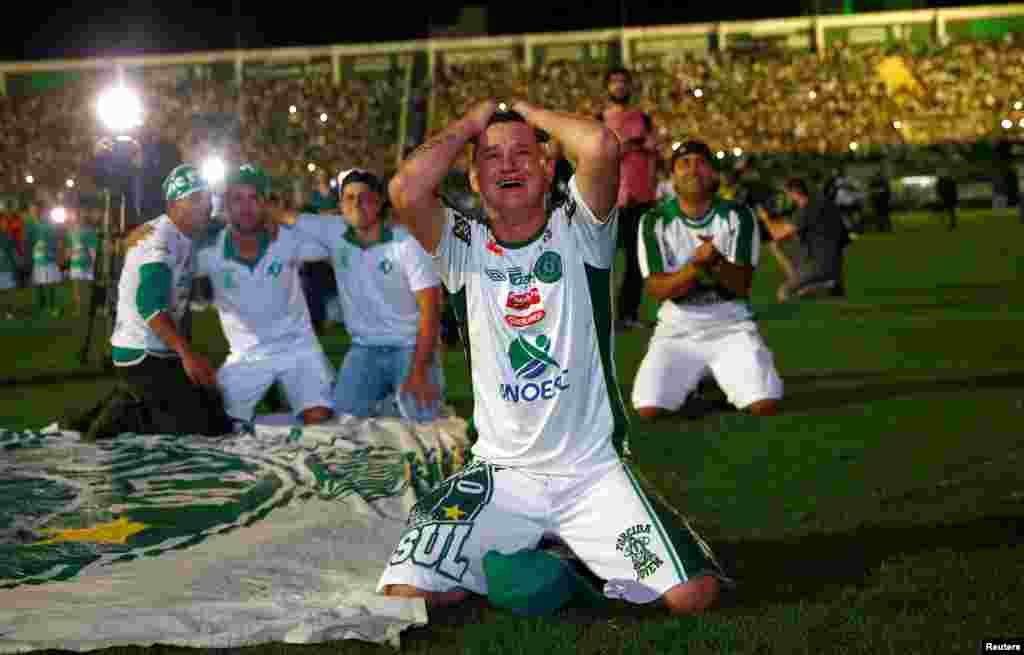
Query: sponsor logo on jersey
point(496, 275)
point(525, 321)
point(523, 300)
point(548, 268)
point(493, 246)
point(514, 274)
point(530, 361)
point(634, 544)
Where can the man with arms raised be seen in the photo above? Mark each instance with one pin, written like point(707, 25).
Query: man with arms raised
point(698, 253)
point(534, 286)
point(253, 268)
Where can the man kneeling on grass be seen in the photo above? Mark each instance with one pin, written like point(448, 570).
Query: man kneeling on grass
point(164, 386)
point(698, 253)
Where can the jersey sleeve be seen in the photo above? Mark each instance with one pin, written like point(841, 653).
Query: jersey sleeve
point(151, 254)
point(740, 242)
point(419, 268)
point(595, 238)
point(648, 250)
point(453, 250)
point(322, 228)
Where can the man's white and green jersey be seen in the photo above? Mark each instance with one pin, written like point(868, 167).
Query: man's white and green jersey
point(262, 308)
point(157, 277)
point(667, 240)
point(540, 332)
point(377, 282)
point(43, 237)
point(81, 243)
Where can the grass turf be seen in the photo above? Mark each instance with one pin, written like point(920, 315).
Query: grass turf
point(881, 512)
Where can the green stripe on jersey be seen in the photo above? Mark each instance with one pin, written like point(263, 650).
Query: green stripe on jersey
point(655, 262)
point(154, 292)
point(745, 238)
point(599, 285)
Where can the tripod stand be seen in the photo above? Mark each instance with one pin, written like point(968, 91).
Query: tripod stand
point(106, 273)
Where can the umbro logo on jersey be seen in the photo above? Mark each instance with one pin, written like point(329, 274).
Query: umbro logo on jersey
point(495, 275)
point(515, 275)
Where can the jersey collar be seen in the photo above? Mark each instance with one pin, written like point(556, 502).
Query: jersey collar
point(676, 211)
point(386, 234)
point(231, 251)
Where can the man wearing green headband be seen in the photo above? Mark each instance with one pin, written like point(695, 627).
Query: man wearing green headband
point(157, 367)
point(253, 267)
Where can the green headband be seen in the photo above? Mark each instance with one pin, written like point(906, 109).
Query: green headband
point(254, 176)
point(182, 182)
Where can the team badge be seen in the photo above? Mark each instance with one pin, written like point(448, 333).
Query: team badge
point(462, 229)
point(634, 544)
point(548, 268)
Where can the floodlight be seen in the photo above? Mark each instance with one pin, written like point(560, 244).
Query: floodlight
point(323, 118)
point(1007, 123)
point(69, 183)
point(897, 124)
point(310, 167)
point(120, 109)
point(1018, 105)
point(698, 93)
point(30, 179)
point(737, 151)
point(720, 154)
point(213, 170)
point(292, 109)
point(58, 215)
point(854, 145)
point(812, 94)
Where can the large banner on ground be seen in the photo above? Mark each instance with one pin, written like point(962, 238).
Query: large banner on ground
point(276, 536)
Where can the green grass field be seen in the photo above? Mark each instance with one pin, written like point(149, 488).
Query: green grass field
point(881, 512)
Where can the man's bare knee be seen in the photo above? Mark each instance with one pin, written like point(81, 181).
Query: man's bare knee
point(316, 415)
point(693, 596)
point(766, 407)
point(650, 412)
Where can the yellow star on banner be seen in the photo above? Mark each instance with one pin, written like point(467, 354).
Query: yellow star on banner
point(453, 512)
point(116, 532)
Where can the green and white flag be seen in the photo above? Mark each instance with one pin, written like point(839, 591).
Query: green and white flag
point(276, 536)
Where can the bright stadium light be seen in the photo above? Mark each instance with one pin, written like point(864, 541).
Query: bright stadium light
point(30, 179)
point(720, 154)
point(120, 109)
point(854, 145)
point(323, 118)
point(1018, 105)
point(699, 93)
point(69, 183)
point(897, 124)
point(675, 145)
point(214, 170)
point(812, 94)
point(737, 151)
point(292, 109)
point(310, 167)
point(58, 215)
point(334, 184)
point(502, 106)
point(1007, 123)
point(1021, 122)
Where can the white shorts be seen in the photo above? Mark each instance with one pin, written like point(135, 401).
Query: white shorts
point(738, 359)
point(7, 281)
point(48, 274)
point(305, 375)
point(80, 275)
point(605, 518)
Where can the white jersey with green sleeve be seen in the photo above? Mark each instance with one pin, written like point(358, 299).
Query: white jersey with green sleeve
point(81, 243)
point(261, 305)
point(156, 277)
point(541, 343)
point(667, 240)
point(377, 283)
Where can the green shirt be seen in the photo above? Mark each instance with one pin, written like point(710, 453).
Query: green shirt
point(82, 244)
point(8, 254)
point(43, 238)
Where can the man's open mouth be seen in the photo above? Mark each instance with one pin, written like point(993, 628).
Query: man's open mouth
point(511, 184)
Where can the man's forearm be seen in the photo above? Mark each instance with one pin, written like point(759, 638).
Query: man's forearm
point(665, 286)
point(163, 327)
point(733, 277)
point(426, 342)
point(422, 173)
point(583, 138)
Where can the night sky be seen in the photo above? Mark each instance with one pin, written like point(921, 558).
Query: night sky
point(166, 27)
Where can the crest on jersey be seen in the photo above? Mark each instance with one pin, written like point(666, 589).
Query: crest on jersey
point(462, 229)
point(548, 268)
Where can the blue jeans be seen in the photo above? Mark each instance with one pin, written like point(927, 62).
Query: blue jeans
point(369, 374)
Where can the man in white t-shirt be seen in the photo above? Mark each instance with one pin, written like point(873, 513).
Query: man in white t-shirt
point(253, 267)
point(390, 298)
point(533, 284)
point(697, 254)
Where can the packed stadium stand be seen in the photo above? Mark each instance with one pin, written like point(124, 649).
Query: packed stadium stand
point(858, 87)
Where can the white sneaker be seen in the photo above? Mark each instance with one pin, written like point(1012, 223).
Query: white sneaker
point(630, 591)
